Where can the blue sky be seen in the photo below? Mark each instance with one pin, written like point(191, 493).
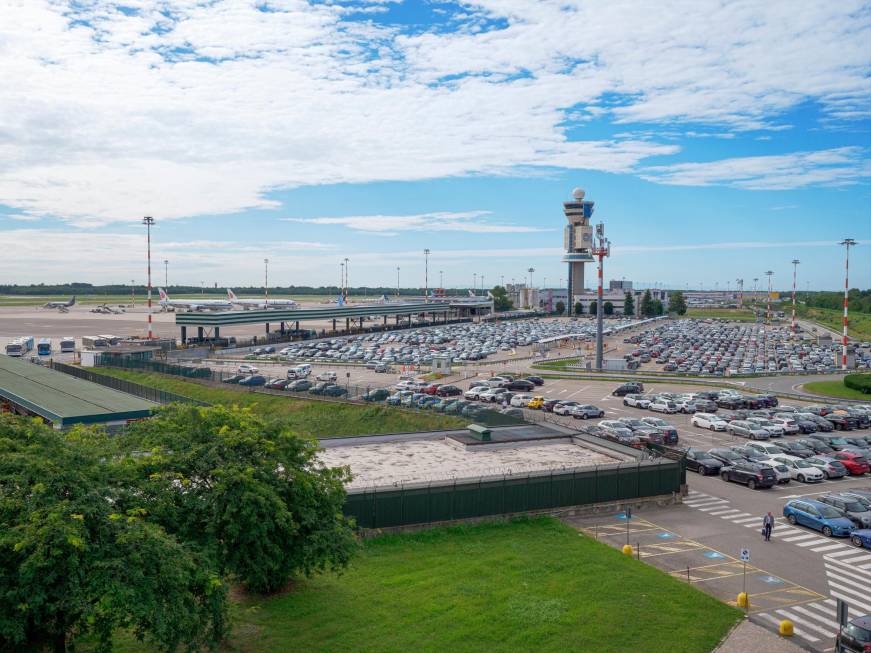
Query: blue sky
point(714, 140)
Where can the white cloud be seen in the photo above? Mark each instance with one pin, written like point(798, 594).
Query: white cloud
point(835, 167)
point(391, 225)
point(195, 107)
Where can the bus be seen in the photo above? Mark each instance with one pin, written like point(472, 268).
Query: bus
point(43, 347)
point(20, 346)
point(111, 341)
point(94, 342)
point(67, 345)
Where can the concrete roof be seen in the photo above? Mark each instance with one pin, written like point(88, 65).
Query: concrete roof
point(64, 399)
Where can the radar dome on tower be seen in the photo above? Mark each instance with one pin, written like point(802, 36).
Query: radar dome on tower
point(578, 193)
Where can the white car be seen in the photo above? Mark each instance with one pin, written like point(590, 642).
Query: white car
point(709, 421)
point(663, 406)
point(800, 470)
point(773, 430)
point(636, 401)
point(786, 423)
point(491, 394)
point(781, 471)
point(521, 400)
point(685, 405)
point(766, 448)
point(564, 408)
point(327, 376)
point(245, 368)
point(476, 392)
point(497, 381)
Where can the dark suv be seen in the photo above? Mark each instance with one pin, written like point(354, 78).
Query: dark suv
point(753, 475)
point(628, 388)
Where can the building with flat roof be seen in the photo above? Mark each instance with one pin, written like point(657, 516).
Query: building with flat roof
point(63, 400)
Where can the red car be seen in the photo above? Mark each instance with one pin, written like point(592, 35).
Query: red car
point(431, 389)
point(854, 462)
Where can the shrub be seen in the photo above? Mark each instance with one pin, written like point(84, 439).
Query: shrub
point(859, 382)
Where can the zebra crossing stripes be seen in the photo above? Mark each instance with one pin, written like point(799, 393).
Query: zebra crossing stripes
point(797, 629)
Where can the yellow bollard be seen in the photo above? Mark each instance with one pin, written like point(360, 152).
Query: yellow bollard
point(742, 600)
point(786, 628)
point(627, 549)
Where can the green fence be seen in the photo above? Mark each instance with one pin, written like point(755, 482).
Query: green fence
point(108, 360)
point(137, 389)
point(463, 499)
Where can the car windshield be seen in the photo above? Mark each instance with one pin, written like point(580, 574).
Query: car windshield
point(854, 506)
point(803, 464)
point(828, 512)
point(857, 632)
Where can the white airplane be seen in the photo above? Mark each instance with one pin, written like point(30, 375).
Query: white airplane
point(259, 303)
point(61, 305)
point(193, 305)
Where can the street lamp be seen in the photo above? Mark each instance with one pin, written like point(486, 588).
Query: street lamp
point(847, 243)
point(441, 279)
point(795, 263)
point(347, 283)
point(397, 281)
point(425, 275)
point(266, 282)
point(148, 221)
point(133, 291)
point(768, 302)
point(474, 283)
point(166, 273)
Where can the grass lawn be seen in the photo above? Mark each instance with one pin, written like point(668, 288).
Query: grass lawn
point(835, 389)
point(860, 323)
point(737, 315)
point(529, 585)
point(307, 417)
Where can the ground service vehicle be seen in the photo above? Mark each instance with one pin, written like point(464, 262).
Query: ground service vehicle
point(67, 345)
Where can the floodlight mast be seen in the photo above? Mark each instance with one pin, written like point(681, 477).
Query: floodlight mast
point(601, 249)
point(847, 243)
point(795, 263)
point(148, 221)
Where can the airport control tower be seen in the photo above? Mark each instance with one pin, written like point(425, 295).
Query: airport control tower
point(578, 242)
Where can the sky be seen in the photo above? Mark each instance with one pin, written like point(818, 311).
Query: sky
point(718, 139)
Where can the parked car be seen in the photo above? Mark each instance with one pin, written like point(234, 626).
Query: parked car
point(801, 471)
point(333, 390)
point(535, 403)
point(253, 380)
point(245, 368)
point(817, 446)
point(855, 463)
point(549, 405)
point(725, 456)
point(663, 406)
point(709, 421)
point(747, 429)
point(378, 394)
point(669, 432)
point(852, 509)
point(627, 388)
point(795, 448)
point(448, 391)
point(773, 430)
point(330, 377)
point(586, 411)
point(564, 407)
point(636, 401)
point(521, 400)
point(855, 636)
point(831, 468)
point(753, 475)
point(862, 539)
point(702, 462)
point(300, 385)
point(521, 385)
point(536, 380)
point(234, 379)
point(818, 516)
point(277, 384)
point(476, 392)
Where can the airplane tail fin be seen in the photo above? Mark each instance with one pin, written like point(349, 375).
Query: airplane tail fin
point(384, 299)
point(231, 295)
point(72, 301)
point(340, 300)
point(163, 296)
point(489, 295)
point(471, 293)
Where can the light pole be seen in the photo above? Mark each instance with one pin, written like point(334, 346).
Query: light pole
point(442, 279)
point(768, 301)
point(474, 283)
point(740, 285)
point(397, 281)
point(266, 282)
point(602, 249)
point(482, 283)
point(795, 263)
point(847, 243)
point(755, 296)
point(342, 280)
point(426, 275)
point(148, 221)
point(166, 274)
point(347, 283)
point(133, 291)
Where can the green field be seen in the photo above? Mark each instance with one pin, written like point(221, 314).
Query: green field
point(835, 389)
point(734, 314)
point(529, 585)
point(319, 419)
point(860, 323)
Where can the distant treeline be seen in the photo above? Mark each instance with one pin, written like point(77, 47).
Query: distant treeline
point(860, 300)
point(118, 289)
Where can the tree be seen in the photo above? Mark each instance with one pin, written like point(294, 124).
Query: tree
point(579, 308)
point(608, 308)
point(501, 301)
point(560, 307)
point(677, 303)
point(594, 307)
point(78, 555)
point(647, 304)
point(246, 490)
point(629, 304)
point(657, 307)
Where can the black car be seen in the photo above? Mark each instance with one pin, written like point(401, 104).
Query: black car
point(841, 422)
point(520, 384)
point(748, 453)
point(448, 391)
point(768, 401)
point(816, 445)
point(537, 380)
point(234, 379)
point(628, 388)
point(731, 403)
point(725, 456)
point(795, 448)
point(702, 462)
point(806, 426)
point(548, 405)
point(753, 475)
point(855, 637)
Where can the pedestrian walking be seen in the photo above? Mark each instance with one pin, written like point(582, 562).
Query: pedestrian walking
point(767, 526)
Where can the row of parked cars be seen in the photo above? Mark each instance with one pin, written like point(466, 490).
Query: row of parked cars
point(710, 348)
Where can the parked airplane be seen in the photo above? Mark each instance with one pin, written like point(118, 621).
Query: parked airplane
point(193, 305)
point(259, 303)
point(63, 306)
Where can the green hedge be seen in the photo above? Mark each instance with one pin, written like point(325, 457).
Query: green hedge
point(860, 382)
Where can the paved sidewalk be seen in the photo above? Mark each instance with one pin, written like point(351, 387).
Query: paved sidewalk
point(747, 636)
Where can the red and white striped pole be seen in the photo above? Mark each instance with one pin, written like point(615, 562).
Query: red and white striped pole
point(847, 243)
point(795, 263)
point(148, 221)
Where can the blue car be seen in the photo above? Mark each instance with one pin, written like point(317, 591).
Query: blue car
point(861, 538)
point(254, 379)
point(819, 516)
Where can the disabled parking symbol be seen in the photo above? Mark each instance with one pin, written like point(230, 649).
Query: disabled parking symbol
point(665, 536)
point(713, 555)
point(772, 580)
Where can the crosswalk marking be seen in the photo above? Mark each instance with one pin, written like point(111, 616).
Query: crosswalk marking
point(805, 624)
point(840, 553)
point(847, 569)
point(696, 503)
point(744, 520)
point(792, 537)
point(724, 512)
point(859, 558)
point(815, 541)
point(868, 566)
point(822, 618)
point(827, 547)
point(797, 630)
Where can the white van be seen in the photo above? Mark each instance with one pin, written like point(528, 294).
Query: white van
point(299, 372)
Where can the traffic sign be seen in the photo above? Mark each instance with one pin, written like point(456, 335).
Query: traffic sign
point(745, 555)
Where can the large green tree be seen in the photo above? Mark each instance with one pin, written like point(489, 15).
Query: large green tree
point(608, 308)
point(579, 308)
point(594, 307)
point(629, 304)
point(646, 307)
point(79, 557)
point(501, 300)
point(246, 490)
point(560, 307)
point(677, 303)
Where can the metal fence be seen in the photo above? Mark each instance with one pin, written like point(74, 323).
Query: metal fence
point(137, 389)
point(537, 491)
